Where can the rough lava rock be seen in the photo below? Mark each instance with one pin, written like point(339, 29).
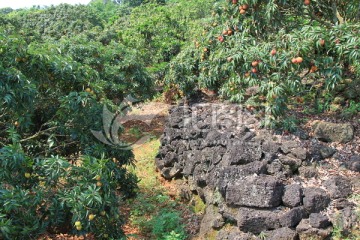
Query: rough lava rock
point(249, 178)
point(256, 221)
point(243, 153)
point(333, 132)
point(354, 163)
point(255, 191)
point(308, 172)
point(315, 199)
point(292, 195)
point(291, 161)
point(318, 220)
point(282, 234)
point(292, 217)
point(320, 152)
point(306, 231)
point(338, 187)
point(230, 174)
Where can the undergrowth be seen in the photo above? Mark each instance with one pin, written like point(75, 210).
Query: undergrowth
point(153, 212)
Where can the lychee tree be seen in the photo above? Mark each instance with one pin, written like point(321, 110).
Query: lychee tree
point(54, 172)
point(268, 53)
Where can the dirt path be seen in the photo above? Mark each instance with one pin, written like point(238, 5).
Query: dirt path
point(154, 194)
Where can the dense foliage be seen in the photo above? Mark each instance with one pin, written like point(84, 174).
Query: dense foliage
point(59, 66)
point(268, 54)
point(160, 31)
point(52, 96)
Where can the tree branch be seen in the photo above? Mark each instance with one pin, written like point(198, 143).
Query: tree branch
point(37, 134)
point(57, 147)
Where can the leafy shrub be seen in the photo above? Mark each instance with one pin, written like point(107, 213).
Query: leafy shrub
point(352, 110)
point(55, 173)
point(281, 51)
point(166, 225)
point(53, 194)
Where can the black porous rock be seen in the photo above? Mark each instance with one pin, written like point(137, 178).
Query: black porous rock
point(315, 199)
point(338, 187)
point(292, 195)
point(288, 146)
point(255, 191)
point(354, 163)
point(275, 167)
point(291, 161)
point(251, 180)
point(230, 174)
point(299, 153)
point(319, 152)
point(306, 231)
point(243, 153)
point(256, 221)
point(308, 172)
point(318, 220)
point(171, 172)
point(292, 218)
point(284, 233)
point(271, 147)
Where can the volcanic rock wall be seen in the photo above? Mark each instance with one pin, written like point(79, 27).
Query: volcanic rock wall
point(253, 182)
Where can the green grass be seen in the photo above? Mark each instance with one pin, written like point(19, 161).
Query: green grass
point(352, 110)
point(135, 131)
point(198, 205)
point(152, 211)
